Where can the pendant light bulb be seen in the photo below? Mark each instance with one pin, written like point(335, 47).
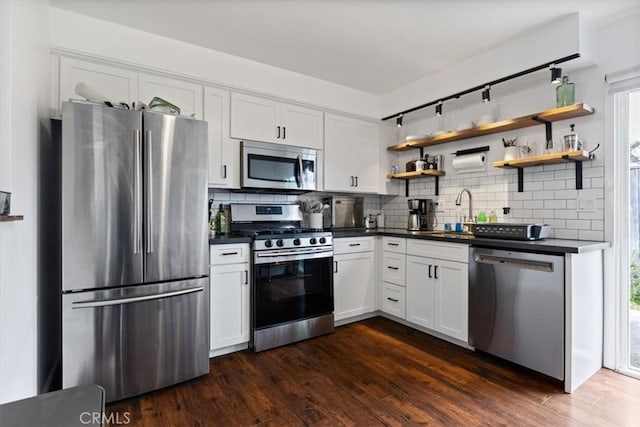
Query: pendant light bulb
point(439, 109)
point(486, 94)
point(399, 121)
point(556, 74)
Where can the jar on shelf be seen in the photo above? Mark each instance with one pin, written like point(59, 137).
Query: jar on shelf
point(565, 93)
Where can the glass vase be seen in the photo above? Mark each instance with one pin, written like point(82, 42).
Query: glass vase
point(565, 93)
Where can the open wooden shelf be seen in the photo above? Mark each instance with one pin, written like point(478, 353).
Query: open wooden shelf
point(543, 117)
point(7, 218)
point(415, 174)
point(576, 157)
point(545, 159)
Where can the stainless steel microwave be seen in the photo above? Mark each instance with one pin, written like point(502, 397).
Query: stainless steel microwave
point(278, 167)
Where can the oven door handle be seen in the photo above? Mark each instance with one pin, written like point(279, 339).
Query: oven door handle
point(301, 254)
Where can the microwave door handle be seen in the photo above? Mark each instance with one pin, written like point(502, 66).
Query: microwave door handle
point(299, 172)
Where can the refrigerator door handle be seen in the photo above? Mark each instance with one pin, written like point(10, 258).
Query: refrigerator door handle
point(137, 192)
point(120, 301)
point(149, 209)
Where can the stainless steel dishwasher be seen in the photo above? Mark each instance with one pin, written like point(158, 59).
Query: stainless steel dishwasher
point(516, 307)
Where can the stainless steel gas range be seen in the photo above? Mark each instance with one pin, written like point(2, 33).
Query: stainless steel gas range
point(292, 285)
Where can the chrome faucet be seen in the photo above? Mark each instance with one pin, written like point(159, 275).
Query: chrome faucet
point(459, 202)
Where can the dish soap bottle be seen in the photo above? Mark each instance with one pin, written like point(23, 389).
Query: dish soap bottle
point(565, 93)
point(221, 221)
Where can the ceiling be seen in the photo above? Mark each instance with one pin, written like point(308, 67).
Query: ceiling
point(372, 45)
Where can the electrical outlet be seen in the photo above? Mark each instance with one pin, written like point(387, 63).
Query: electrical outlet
point(586, 203)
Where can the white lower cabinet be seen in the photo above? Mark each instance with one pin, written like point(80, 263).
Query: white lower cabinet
point(230, 299)
point(437, 295)
point(353, 277)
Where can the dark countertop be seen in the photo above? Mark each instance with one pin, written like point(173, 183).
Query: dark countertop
point(561, 246)
point(224, 240)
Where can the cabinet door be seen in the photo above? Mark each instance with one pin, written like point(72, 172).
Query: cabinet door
point(187, 96)
point(254, 118)
point(365, 142)
point(353, 284)
point(339, 174)
point(301, 127)
point(224, 152)
point(451, 298)
point(229, 305)
point(420, 291)
point(115, 84)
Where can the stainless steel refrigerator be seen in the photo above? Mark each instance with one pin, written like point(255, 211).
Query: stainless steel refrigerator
point(134, 249)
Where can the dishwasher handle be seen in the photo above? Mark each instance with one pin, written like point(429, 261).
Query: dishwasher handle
point(514, 262)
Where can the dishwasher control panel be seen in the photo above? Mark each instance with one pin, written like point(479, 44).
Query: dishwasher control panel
point(512, 231)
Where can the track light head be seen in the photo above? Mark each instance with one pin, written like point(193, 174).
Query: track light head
point(486, 94)
point(556, 74)
point(439, 109)
point(399, 121)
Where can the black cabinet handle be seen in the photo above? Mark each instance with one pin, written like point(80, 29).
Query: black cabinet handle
point(435, 272)
point(284, 132)
point(393, 244)
point(229, 253)
point(354, 244)
point(278, 133)
point(335, 263)
point(356, 181)
point(351, 182)
point(246, 277)
point(392, 268)
point(392, 299)
point(224, 171)
point(430, 271)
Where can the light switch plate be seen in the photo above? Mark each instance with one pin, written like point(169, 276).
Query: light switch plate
point(586, 203)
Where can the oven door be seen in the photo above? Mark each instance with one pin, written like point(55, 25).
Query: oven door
point(291, 290)
point(274, 166)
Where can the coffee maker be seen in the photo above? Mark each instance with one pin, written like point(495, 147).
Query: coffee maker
point(421, 215)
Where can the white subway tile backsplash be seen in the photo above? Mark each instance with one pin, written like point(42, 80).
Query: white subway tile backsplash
point(533, 204)
point(565, 234)
point(566, 214)
point(555, 204)
point(555, 185)
point(591, 235)
point(543, 176)
point(579, 224)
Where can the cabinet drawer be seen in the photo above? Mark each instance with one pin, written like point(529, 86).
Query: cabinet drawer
point(352, 245)
point(394, 244)
point(393, 267)
point(229, 254)
point(393, 300)
point(440, 250)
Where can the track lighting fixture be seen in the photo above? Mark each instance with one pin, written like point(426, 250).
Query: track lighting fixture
point(439, 109)
point(556, 77)
point(556, 74)
point(486, 94)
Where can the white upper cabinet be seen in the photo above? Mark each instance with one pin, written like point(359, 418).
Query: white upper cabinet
point(115, 84)
point(350, 155)
point(261, 119)
point(224, 152)
point(185, 95)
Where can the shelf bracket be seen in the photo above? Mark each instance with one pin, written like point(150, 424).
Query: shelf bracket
point(406, 188)
point(547, 129)
point(437, 185)
point(578, 164)
point(421, 153)
point(520, 180)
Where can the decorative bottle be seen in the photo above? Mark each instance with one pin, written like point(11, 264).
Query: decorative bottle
point(565, 93)
point(221, 221)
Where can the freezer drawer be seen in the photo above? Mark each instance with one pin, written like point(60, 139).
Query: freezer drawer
point(136, 339)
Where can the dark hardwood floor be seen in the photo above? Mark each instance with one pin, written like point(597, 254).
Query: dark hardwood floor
point(378, 372)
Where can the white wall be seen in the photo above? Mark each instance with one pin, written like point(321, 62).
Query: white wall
point(24, 91)
point(73, 32)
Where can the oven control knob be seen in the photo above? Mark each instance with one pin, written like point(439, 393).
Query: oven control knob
point(313, 241)
point(279, 242)
point(268, 243)
point(323, 240)
point(296, 242)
